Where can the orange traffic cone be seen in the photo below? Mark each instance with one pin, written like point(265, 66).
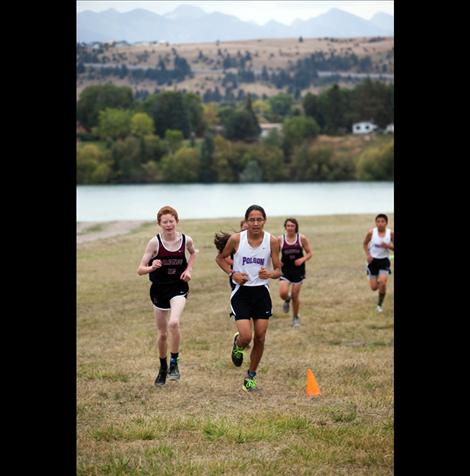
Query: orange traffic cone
point(313, 390)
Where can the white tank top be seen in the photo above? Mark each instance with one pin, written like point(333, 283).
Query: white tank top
point(250, 260)
point(376, 251)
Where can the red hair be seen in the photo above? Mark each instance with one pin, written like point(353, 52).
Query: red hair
point(167, 210)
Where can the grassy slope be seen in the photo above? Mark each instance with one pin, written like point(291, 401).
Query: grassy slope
point(205, 424)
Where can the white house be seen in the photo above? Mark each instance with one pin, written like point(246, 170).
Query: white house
point(364, 127)
point(266, 128)
point(389, 129)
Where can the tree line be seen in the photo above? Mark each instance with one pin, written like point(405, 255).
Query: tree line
point(175, 137)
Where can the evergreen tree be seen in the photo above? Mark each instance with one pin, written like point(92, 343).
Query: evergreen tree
point(208, 173)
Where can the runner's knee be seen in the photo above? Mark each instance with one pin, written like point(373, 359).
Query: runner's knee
point(244, 339)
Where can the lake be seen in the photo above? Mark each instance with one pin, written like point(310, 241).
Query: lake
point(141, 202)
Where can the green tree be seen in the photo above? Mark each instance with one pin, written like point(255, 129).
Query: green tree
point(93, 165)
point(310, 164)
point(114, 124)
point(226, 160)
point(142, 124)
point(373, 100)
point(314, 107)
point(174, 140)
point(169, 110)
point(94, 99)
point(377, 162)
point(197, 122)
point(270, 160)
point(240, 124)
point(181, 167)
point(210, 115)
point(127, 156)
point(208, 170)
point(252, 172)
point(335, 110)
point(298, 129)
point(154, 148)
point(281, 105)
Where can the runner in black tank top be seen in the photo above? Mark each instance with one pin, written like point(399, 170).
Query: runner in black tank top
point(173, 263)
point(292, 245)
point(289, 253)
point(165, 262)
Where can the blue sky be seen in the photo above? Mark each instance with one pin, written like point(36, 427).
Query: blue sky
point(252, 10)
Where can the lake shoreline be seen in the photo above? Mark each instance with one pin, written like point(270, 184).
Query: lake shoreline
point(88, 231)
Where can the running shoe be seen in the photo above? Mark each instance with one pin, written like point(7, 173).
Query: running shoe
point(379, 309)
point(161, 377)
point(249, 384)
point(174, 373)
point(237, 352)
point(296, 321)
point(285, 306)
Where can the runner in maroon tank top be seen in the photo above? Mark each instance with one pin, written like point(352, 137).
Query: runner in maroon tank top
point(165, 262)
point(292, 245)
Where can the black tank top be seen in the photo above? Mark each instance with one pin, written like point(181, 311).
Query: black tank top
point(290, 253)
point(173, 263)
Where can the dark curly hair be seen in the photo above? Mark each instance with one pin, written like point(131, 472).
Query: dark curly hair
point(220, 240)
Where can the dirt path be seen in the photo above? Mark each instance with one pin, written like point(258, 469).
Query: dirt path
point(92, 230)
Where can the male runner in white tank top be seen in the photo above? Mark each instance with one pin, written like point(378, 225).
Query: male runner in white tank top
point(254, 251)
point(377, 245)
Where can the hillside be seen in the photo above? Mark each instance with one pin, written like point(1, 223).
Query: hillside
point(252, 65)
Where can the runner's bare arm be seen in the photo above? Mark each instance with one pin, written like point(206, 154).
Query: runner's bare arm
point(306, 246)
point(365, 245)
point(391, 246)
point(275, 250)
point(186, 274)
point(150, 250)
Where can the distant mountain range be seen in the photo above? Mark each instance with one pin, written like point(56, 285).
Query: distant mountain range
point(188, 24)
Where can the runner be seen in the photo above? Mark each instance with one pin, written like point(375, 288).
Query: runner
point(377, 245)
point(254, 250)
point(293, 261)
point(164, 260)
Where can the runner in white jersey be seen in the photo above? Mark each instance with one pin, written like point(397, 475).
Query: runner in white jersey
point(255, 251)
point(377, 245)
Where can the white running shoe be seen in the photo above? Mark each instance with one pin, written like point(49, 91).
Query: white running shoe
point(379, 309)
point(296, 321)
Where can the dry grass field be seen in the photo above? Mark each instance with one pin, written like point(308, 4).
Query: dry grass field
point(205, 424)
point(272, 52)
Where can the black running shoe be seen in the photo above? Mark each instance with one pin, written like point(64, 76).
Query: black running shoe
point(237, 352)
point(174, 373)
point(161, 377)
point(249, 384)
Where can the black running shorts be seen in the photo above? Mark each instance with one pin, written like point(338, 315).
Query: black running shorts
point(294, 276)
point(378, 266)
point(160, 294)
point(251, 302)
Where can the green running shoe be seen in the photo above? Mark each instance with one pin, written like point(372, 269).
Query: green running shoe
point(237, 352)
point(249, 384)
